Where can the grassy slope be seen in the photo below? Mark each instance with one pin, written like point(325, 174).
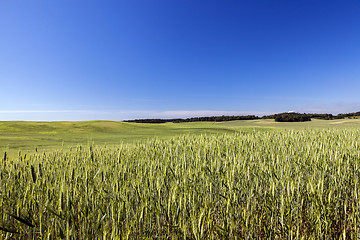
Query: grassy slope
point(16, 136)
point(25, 136)
point(315, 123)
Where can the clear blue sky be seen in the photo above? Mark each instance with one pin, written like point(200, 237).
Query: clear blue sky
point(115, 60)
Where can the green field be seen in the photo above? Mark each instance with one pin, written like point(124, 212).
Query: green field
point(313, 124)
point(26, 136)
point(229, 180)
point(44, 136)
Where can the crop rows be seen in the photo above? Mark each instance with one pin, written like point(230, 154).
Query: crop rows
point(254, 185)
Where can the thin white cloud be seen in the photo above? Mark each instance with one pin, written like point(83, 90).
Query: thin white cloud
point(333, 108)
point(82, 115)
point(116, 115)
point(202, 113)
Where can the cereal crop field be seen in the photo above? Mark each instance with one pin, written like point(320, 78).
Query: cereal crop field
point(294, 184)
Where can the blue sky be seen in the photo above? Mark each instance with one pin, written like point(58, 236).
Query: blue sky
point(115, 60)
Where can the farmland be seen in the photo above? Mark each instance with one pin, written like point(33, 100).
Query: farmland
point(230, 180)
point(45, 136)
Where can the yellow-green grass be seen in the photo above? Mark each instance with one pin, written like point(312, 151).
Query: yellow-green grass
point(313, 124)
point(27, 136)
point(297, 184)
point(254, 179)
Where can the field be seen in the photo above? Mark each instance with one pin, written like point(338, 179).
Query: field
point(313, 124)
point(232, 180)
point(45, 136)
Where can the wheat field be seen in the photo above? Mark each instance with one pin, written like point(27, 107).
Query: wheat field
point(298, 184)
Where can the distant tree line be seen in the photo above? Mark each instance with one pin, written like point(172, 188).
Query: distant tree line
point(290, 117)
point(347, 115)
point(323, 116)
point(279, 117)
point(196, 119)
